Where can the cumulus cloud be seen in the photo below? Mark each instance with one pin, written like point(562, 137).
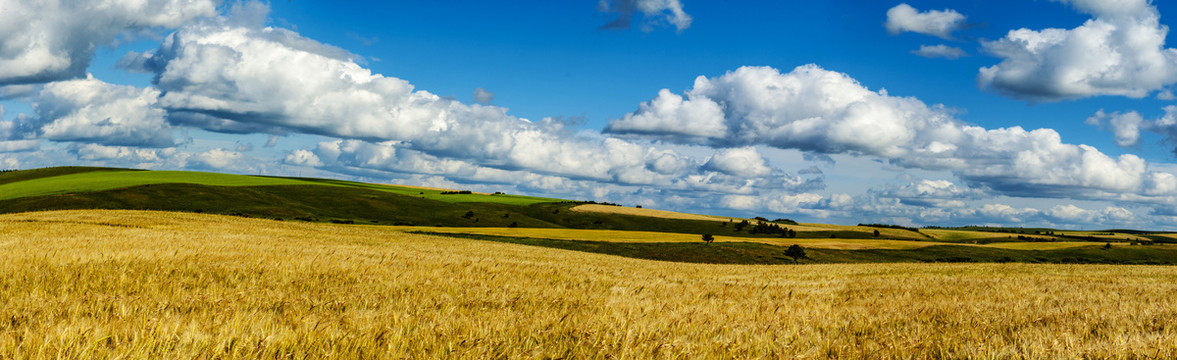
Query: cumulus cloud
point(668, 171)
point(1167, 126)
point(904, 18)
point(222, 159)
point(930, 193)
point(48, 40)
point(90, 110)
point(940, 51)
point(95, 152)
point(482, 96)
point(239, 77)
point(1071, 214)
point(1006, 213)
point(18, 91)
point(816, 110)
point(18, 145)
point(746, 162)
point(1118, 52)
point(1126, 126)
point(303, 157)
point(655, 12)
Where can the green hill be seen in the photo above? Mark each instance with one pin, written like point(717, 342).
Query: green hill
point(317, 200)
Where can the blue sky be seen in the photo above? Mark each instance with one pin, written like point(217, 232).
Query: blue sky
point(1019, 113)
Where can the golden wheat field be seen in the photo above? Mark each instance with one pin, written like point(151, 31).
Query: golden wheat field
point(611, 209)
point(137, 285)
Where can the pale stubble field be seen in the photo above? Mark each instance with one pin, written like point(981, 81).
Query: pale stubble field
point(127, 284)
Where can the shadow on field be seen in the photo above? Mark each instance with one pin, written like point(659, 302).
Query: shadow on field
point(758, 253)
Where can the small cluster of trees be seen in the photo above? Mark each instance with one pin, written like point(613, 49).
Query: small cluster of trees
point(762, 227)
point(778, 220)
point(467, 192)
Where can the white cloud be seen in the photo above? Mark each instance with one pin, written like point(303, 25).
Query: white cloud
point(96, 111)
point(122, 153)
point(903, 17)
point(1118, 52)
point(735, 171)
point(223, 160)
point(1126, 126)
point(48, 40)
point(744, 162)
point(655, 12)
point(810, 109)
point(7, 163)
point(815, 110)
point(929, 193)
point(1071, 214)
point(18, 91)
point(669, 113)
point(1006, 213)
point(482, 96)
point(940, 51)
point(228, 76)
point(18, 145)
point(90, 110)
point(1074, 215)
point(303, 157)
point(1110, 7)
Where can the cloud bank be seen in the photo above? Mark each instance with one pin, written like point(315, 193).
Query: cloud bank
point(1120, 51)
point(42, 41)
point(816, 110)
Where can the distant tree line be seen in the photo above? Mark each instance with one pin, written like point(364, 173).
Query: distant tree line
point(769, 228)
point(590, 202)
point(891, 226)
point(466, 192)
point(778, 220)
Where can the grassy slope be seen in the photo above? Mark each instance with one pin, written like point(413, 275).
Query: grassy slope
point(22, 175)
point(54, 181)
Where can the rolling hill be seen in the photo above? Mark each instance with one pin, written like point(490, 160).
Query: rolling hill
point(555, 223)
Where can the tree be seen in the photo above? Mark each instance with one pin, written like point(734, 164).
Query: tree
point(1107, 246)
point(876, 233)
point(796, 252)
point(707, 238)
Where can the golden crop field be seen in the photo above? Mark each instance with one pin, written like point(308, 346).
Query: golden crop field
point(611, 209)
point(130, 284)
